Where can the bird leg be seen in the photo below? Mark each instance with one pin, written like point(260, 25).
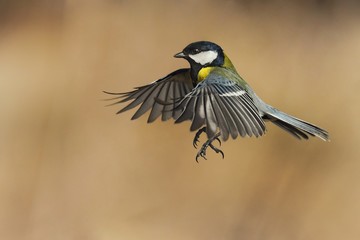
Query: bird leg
point(202, 151)
point(197, 136)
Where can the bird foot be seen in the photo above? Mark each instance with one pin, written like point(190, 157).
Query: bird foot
point(202, 151)
point(198, 134)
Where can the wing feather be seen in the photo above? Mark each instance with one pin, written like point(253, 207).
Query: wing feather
point(239, 110)
point(147, 103)
point(220, 117)
point(228, 117)
point(188, 109)
point(221, 105)
point(158, 107)
point(259, 123)
point(168, 107)
point(199, 118)
point(160, 96)
point(211, 122)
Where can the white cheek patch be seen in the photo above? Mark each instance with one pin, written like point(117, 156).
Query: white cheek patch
point(204, 58)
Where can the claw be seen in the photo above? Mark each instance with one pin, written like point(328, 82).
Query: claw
point(202, 151)
point(218, 139)
point(195, 143)
point(217, 150)
point(197, 136)
point(200, 154)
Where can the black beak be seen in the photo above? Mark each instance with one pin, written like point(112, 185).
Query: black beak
point(179, 55)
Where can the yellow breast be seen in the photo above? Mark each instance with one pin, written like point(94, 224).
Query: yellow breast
point(203, 73)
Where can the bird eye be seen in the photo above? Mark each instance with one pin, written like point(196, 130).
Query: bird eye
point(196, 50)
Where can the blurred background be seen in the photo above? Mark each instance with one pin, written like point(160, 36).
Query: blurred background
point(72, 169)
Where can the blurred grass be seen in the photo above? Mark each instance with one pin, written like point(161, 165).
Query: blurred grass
point(71, 169)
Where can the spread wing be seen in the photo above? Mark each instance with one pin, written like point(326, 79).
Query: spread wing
point(220, 103)
point(160, 96)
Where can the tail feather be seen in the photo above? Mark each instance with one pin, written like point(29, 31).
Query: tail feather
point(297, 127)
point(290, 129)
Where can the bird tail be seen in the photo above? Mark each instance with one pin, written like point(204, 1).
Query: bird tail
point(295, 126)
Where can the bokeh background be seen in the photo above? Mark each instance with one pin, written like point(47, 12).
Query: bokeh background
point(72, 169)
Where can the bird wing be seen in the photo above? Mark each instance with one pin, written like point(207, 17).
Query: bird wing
point(218, 102)
point(160, 96)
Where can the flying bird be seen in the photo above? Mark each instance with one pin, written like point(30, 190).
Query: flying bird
point(213, 96)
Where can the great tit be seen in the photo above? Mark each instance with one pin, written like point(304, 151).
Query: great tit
point(213, 96)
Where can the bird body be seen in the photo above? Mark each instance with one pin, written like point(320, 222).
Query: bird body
point(214, 97)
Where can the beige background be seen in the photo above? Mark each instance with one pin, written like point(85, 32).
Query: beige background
point(72, 169)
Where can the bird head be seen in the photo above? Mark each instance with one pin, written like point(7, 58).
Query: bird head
point(202, 54)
